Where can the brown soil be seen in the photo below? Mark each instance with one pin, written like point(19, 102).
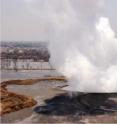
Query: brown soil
point(31, 81)
point(12, 102)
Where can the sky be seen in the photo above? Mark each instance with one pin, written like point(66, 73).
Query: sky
point(21, 20)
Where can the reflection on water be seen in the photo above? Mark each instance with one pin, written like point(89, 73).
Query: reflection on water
point(25, 69)
point(17, 64)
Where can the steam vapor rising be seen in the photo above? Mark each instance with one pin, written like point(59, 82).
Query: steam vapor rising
point(83, 45)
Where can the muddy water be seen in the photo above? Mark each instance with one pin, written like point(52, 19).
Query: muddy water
point(42, 88)
point(26, 74)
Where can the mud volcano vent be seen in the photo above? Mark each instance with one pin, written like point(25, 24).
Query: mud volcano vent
point(81, 104)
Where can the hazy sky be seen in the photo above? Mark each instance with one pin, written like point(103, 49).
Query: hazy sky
point(20, 19)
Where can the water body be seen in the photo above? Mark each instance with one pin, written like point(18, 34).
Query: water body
point(24, 64)
point(25, 69)
point(26, 74)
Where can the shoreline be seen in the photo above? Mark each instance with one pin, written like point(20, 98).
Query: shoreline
point(41, 91)
point(27, 101)
point(33, 81)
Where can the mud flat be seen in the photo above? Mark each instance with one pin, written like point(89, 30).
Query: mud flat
point(55, 106)
point(43, 101)
point(39, 91)
point(11, 102)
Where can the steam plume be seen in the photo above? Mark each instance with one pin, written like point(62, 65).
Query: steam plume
point(83, 45)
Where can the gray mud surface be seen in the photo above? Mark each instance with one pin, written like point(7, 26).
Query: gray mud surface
point(55, 106)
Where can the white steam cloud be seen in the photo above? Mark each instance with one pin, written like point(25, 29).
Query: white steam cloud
point(83, 45)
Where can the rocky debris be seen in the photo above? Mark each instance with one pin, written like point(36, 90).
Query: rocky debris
point(11, 102)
